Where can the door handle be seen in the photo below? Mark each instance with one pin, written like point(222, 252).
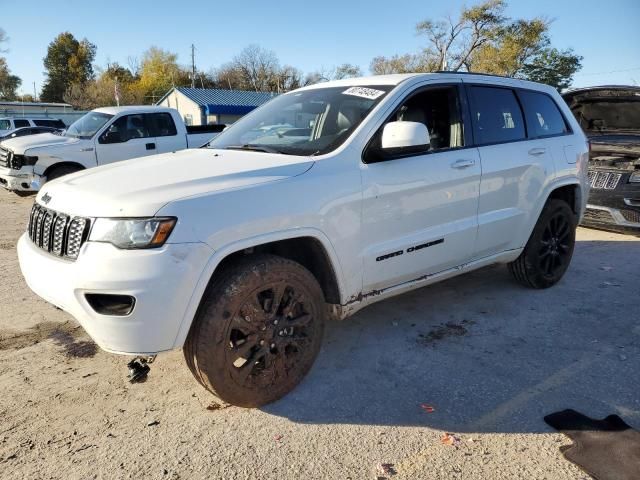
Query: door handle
point(150, 146)
point(536, 152)
point(463, 163)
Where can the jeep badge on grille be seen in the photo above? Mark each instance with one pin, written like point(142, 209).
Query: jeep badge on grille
point(46, 198)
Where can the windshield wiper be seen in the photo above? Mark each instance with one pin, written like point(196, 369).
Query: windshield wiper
point(253, 148)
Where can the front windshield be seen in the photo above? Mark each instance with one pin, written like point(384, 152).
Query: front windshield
point(87, 125)
point(307, 122)
point(5, 125)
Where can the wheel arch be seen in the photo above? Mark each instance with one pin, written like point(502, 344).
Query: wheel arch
point(52, 167)
point(567, 189)
point(309, 247)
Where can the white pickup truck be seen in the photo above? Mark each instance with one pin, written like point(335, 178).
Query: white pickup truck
point(102, 136)
point(363, 189)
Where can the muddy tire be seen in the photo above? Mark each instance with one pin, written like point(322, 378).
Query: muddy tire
point(548, 252)
point(61, 171)
point(258, 330)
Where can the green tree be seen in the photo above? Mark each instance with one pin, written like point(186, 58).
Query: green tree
point(553, 67)
point(159, 71)
point(68, 62)
point(8, 83)
point(101, 92)
point(483, 39)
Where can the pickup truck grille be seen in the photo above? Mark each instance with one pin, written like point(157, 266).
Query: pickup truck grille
point(603, 180)
point(5, 157)
point(59, 234)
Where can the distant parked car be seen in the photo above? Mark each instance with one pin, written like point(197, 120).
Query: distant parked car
point(8, 124)
point(610, 116)
point(22, 132)
point(102, 136)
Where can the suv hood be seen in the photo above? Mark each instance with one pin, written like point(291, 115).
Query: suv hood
point(141, 186)
point(606, 110)
point(19, 145)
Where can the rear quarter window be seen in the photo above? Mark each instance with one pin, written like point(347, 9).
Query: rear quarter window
point(543, 115)
point(162, 125)
point(496, 115)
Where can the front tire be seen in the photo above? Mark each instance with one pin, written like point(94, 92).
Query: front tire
point(258, 330)
point(548, 252)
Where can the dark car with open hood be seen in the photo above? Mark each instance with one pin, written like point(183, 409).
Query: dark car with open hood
point(610, 117)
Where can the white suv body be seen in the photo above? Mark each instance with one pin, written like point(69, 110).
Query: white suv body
point(374, 214)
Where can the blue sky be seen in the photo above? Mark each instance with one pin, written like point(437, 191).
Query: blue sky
point(307, 35)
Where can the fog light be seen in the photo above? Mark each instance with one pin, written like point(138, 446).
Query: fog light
point(114, 305)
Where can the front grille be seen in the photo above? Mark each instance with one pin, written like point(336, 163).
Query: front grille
point(59, 234)
point(631, 215)
point(5, 157)
point(604, 180)
point(599, 216)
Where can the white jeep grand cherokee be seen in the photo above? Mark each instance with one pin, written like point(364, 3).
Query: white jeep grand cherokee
point(323, 201)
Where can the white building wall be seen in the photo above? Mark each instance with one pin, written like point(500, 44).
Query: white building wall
point(188, 109)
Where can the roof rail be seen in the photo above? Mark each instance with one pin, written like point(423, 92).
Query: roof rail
point(476, 73)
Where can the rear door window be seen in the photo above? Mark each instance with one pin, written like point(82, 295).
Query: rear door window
point(496, 115)
point(21, 123)
point(543, 116)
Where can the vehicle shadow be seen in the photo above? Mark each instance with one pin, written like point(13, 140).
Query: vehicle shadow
point(485, 353)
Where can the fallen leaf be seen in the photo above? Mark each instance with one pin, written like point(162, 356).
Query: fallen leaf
point(427, 408)
point(386, 469)
point(277, 438)
point(449, 439)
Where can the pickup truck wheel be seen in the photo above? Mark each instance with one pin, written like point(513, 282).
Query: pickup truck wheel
point(548, 252)
point(61, 171)
point(258, 331)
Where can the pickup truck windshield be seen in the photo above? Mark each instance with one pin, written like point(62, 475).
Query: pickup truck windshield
point(307, 122)
point(87, 125)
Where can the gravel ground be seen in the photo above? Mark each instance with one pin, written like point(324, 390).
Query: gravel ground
point(490, 357)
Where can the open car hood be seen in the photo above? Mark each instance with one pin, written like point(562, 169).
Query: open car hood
point(606, 110)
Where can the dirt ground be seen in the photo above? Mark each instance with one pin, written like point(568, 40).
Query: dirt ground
point(490, 357)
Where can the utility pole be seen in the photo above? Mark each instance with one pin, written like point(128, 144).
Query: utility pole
point(193, 66)
point(35, 97)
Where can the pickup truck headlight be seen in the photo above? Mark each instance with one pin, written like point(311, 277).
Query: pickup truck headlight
point(132, 233)
point(16, 162)
point(635, 177)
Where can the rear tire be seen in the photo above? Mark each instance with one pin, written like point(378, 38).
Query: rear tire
point(61, 171)
point(548, 252)
point(257, 332)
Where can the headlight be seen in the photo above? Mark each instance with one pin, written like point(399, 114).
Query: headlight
point(16, 162)
point(635, 177)
point(132, 232)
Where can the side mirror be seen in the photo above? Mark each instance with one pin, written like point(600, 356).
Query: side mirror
point(410, 136)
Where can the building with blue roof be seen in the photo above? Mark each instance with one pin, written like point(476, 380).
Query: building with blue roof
point(204, 106)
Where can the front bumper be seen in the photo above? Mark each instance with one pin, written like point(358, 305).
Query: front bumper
point(161, 280)
point(616, 208)
point(23, 180)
